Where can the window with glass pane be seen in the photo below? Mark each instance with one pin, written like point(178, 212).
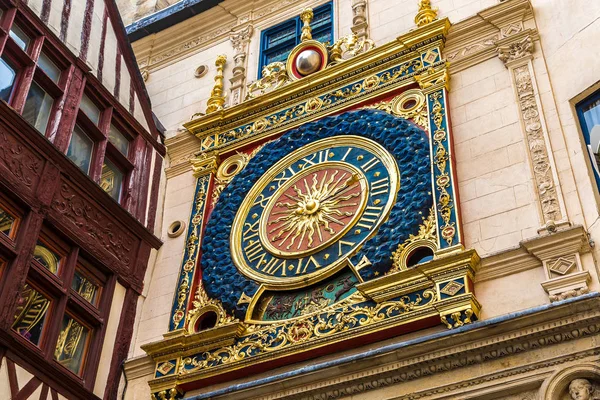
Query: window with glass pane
point(7, 79)
point(47, 257)
point(111, 179)
point(277, 42)
point(49, 67)
point(72, 344)
point(87, 287)
point(90, 109)
point(589, 118)
point(30, 315)
point(118, 139)
point(8, 222)
point(80, 149)
point(38, 107)
point(19, 36)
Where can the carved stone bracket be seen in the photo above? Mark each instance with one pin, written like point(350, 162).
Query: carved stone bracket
point(517, 53)
point(560, 254)
point(240, 41)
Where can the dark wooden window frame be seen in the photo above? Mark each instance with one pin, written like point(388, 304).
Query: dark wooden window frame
point(64, 300)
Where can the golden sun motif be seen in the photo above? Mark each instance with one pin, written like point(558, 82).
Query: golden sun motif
point(314, 209)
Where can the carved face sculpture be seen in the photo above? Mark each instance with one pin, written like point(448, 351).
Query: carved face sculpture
point(581, 389)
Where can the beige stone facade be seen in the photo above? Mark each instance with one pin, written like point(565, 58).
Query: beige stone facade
point(529, 203)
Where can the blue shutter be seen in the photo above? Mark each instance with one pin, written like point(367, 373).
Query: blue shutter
point(277, 42)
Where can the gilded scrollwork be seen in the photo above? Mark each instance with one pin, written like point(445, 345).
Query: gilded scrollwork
point(274, 76)
point(347, 47)
point(445, 203)
point(308, 329)
point(426, 234)
point(191, 250)
point(411, 104)
point(230, 168)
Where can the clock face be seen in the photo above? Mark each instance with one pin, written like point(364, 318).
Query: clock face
point(313, 210)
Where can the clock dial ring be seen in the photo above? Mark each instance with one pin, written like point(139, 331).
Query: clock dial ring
point(378, 171)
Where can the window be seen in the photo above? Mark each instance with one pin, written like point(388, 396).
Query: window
point(118, 140)
point(20, 37)
point(62, 312)
point(80, 149)
point(72, 344)
point(31, 313)
point(112, 179)
point(588, 112)
point(9, 221)
point(38, 107)
point(90, 109)
point(7, 79)
point(277, 42)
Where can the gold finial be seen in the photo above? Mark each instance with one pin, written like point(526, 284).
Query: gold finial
point(306, 17)
point(426, 14)
point(217, 99)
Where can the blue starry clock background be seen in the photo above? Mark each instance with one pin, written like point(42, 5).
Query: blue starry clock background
point(407, 143)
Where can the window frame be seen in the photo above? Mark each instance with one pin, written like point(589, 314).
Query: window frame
point(586, 102)
point(264, 51)
point(66, 301)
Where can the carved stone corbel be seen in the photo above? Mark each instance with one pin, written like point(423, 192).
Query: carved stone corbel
point(517, 54)
point(560, 255)
point(360, 24)
point(240, 40)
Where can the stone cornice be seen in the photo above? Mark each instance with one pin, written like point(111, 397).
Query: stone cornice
point(139, 367)
point(475, 39)
point(210, 28)
point(530, 330)
point(532, 252)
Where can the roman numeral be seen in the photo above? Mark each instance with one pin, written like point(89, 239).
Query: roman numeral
point(282, 177)
point(251, 232)
point(261, 200)
point(311, 260)
point(316, 158)
point(369, 217)
point(271, 267)
point(347, 152)
point(340, 243)
point(380, 186)
point(370, 164)
point(254, 250)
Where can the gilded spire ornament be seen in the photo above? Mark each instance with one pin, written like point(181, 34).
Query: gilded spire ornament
point(426, 14)
point(217, 98)
point(306, 17)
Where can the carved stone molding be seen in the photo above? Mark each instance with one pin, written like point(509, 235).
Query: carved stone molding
point(240, 40)
point(475, 39)
point(360, 24)
point(517, 54)
point(560, 254)
point(531, 333)
point(516, 51)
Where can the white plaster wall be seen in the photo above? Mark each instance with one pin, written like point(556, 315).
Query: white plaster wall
point(112, 327)
point(161, 278)
point(175, 92)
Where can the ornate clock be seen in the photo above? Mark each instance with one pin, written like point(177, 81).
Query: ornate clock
point(330, 199)
point(311, 211)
